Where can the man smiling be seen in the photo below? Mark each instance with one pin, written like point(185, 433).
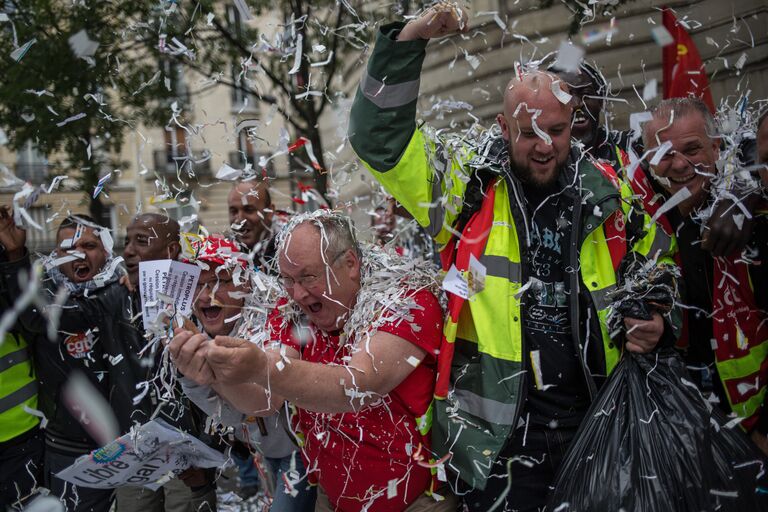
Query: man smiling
point(221, 309)
point(727, 332)
point(523, 357)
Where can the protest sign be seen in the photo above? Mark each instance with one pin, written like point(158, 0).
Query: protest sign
point(163, 283)
point(147, 456)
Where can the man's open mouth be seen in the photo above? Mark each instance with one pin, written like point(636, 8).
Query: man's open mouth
point(211, 312)
point(81, 270)
point(316, 307)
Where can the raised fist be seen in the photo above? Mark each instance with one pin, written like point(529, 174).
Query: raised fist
point(441, 19)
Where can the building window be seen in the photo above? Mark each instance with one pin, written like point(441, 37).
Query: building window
point(31, 165)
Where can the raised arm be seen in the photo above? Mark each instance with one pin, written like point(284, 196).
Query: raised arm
point(423, 174)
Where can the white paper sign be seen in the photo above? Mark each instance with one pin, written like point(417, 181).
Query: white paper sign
point(476, 276)
point(455, 283)
point(143, 457)
point(163, 281)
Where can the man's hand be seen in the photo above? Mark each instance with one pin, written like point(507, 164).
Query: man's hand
point(760, 440)
point(12, 237)
point(126, 281)
point(441, 19)
point(188, 353)
point(234, 360)
point(722, 236)
point(644, 335)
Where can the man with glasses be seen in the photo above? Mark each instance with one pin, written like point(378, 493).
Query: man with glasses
point(354, 350)
point(222, 306)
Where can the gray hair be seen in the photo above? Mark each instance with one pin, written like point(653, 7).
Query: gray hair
point(337, 233)
point(675, 108)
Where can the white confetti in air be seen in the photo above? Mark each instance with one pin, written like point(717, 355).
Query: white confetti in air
point(71, 119)
point(22, 50)
point(569, 57)
point(90, 409)
point(82, 45)
point(39, 414)
point(228, 173)
point(413, 361)
point(45, 504)
point(297, 55)
point(679, 196)
point(392, 489)
point(662, 36)
point(242, 8)
point(651, 89)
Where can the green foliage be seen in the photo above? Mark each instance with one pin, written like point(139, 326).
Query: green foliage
point(50, 84)
point(583, 12)
point(126, 81)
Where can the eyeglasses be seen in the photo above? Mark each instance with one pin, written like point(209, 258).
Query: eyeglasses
point(308, 281)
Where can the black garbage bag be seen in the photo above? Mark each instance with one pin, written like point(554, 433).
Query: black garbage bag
point(650, 442)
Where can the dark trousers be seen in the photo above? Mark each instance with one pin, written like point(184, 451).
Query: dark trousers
point(21, 464)
point(75, 498)
point(527, 470)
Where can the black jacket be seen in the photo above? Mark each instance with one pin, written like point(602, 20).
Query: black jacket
point(96, 337)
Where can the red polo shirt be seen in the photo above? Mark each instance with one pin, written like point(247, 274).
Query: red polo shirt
point(358, 457)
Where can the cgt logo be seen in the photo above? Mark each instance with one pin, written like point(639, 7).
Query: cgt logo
point(79, 345)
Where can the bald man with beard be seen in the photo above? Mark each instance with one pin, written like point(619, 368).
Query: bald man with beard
point(523, 358)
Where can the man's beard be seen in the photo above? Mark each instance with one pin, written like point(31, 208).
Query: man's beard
point(528, 178)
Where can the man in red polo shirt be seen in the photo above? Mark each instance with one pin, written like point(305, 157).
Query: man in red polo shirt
point(354, 341)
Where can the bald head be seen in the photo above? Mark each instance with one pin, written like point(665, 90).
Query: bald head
point(150, 236)
point(537, 125)
point(166, 227)
point(534, 88)
point(250, 211)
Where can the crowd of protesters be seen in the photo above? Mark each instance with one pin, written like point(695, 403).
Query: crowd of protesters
point(354, 376)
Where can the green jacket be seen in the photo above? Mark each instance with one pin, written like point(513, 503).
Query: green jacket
point(429, 175)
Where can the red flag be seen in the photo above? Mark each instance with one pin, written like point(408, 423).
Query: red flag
point(684, 72)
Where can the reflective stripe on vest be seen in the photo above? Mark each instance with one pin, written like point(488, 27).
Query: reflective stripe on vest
point(740, 330)
point(18, 388)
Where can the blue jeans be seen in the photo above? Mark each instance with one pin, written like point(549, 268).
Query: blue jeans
point(249, 475)
point(304, 501)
